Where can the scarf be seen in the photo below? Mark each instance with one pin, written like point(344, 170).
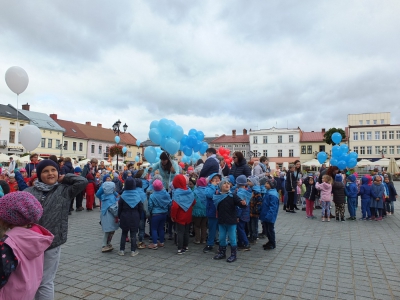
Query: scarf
point(244, 195)
point(200, 194)
point(184, 198)
point(161, 199)
point(107, 197)
point(142, 194)
point(256, 188)
point(41, 186)
point(214, 157)
point(263, 167)
point(131, 197)
point(273, 192)
point(218, 198)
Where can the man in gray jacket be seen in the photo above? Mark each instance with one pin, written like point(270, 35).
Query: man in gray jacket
point(262, 167)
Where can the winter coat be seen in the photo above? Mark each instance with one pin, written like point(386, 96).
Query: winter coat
point(67, 168)
point(255, 204)
point(108, 197)
point(291, 182)
point(392, 191)
point(270, 207)
point(30, 167)
point(167, 177)
point(326, 190)
point(311, 191)
point(118, 185)
point(225, 170)
point(199, 209)
point(365, 190)
point(211, 166)
point(338, 190)
point(241, 168)
point(179, 215)
point(153, 205)
point(198, 168)
point(351, 190)
point(227, 210)
point(211, 210)
point(28, 246)
point(87, 168)
point(377, 191)
point(56, 204)
point(129, 217)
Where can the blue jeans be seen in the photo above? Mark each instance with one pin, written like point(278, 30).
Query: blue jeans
point(142, 224)
point(212, 230)
point(230, 230)
point(254, 227)
point(389, 206)
point(365, 211)
point(326, 207)
point(242, 237)
point(270, 232)
point(157, 227)
point(351, 206)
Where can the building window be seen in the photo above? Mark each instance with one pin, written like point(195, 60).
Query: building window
point(369, 135)
point(179, 153)
point(290, 152)
point(49, 143)
point(100, 149)
point(362, 150)
point(391, 135)
point(391, 149)
point(279, 153)
point(129, 154)
point(80, 146)
point(362, 136)
point(43, 143)
point(65, 145)
point(255, 140)
point(398, 149)
point(321, 148)
point(58, 144)
point(382, 121)
point(377, 149)
point(355, 136)
point(367, 122)
point(290, 138)
point(398, 134)
point(279, 139)
point(369, 149)
point(265, 139)
point(384, 136)
point(377, 135)
point(73, 146)
point(309, 149)
point(355, 149)
point(108, 151)
point(375, 122)
point(92, 149)
point(384, 149)
point(244, 153)
point(265, 153)
point(360, 122)
point(303, 149)
point(12, 137)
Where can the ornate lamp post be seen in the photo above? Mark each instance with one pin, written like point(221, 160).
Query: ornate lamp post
point(117, 131)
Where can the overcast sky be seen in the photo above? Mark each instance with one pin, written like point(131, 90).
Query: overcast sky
point(209, 65)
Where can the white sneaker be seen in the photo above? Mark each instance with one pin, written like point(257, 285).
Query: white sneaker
point(134, 253)
point(121, 253)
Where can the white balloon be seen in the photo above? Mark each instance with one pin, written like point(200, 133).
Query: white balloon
point(17, 79)
point(30, 137)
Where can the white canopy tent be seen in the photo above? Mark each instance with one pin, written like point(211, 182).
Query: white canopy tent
point(4, 157)
point(383, 162)
point(25, 159)
point(393, 168)
point(83, 162)
point(312, 163)
point(364, 163)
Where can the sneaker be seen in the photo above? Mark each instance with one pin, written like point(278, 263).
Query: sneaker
point(361, 219)
point(261, 236)
point(329, 219)
point(196, 242)
point(80, 208)
point(134, 253)
point(152, 246)
point(146, 235)
point(323, 219)
point(141, 245)
point(121, 252)
point(368, 219)
point(372, 218)
point(349, 219)
point(107, 248)
point(207, 249)
point(342, 220)
point(269, 247)
point(246, 248)
point(180, 252)
point(160, 245)
point(303, 209)
point(378, 219)
point(186, 249)
point(307, 217)
point(389, 214)
point(292, 211)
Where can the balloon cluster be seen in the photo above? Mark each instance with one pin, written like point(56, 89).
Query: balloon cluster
point(191, 159)
point(193, 142)
point(166, 134)
point(341, 157)
point(225, 153)
point(152, 154)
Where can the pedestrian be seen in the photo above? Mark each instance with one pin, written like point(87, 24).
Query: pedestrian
point(326, 193)
point(181, 211)
point(392, 196)
point(290, 188)
point(90, 192)
point(199, 212)
point(239, 165)
point(32, 165)
point(211, 211)
point(79, 197)
point(21, 268)
point(310, 195)
point(243, 213)
point(351, 193)
point(159, 204)
point(365, 193)
point(269, 213)
point(376, 200)
point(339, 197)
point(130, 208)
point(211, 165)
point(255, 207)
point(226, 203)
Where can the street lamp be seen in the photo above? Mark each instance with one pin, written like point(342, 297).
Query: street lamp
point(117, 131)
point(253, 154)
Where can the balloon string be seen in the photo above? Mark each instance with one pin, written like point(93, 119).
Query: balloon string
point(17, 133)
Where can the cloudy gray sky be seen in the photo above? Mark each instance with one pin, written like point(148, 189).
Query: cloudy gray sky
point(210, 65)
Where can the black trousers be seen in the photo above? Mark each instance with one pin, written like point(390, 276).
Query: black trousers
point(290, 201)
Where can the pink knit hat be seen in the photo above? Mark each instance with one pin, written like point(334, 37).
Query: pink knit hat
point(157, 185)
point(20, 208)
point(201, 182)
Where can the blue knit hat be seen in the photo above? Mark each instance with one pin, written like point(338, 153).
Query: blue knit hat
point(352, 178)
point(338, 178)
point(43, 164)
point(130, 184)
point(241, 180)
point(78, 170)
point(105, 177)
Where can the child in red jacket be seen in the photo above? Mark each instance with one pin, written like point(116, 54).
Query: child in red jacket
point(181, 211)
point(90, 191)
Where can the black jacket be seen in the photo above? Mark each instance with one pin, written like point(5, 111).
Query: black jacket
point(339, 195)
point(226, 210)
point(291, 183)
point(210, 166)
point(67, 168)
point(311, 191)
point(240, 169)
point(129, 217)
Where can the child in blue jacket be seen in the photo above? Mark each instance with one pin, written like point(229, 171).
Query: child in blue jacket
point(243, 214)
point(392, 196)
point(269, 213)
point(351, 193)
point(365, 193)
point(211, 211)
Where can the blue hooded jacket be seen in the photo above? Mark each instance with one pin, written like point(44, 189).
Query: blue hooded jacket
point(365, 190)
point(351, 189)
point(270, 207)
point(211, 210)
point(107, 195)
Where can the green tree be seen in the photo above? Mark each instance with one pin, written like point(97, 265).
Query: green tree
point(328, 135)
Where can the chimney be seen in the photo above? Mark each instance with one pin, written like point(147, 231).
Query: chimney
point(233, 133)
point(244, 131)
point(25, 106)
point(53, 116)
point(323, 130)
point(88, 123)
point(99, 125)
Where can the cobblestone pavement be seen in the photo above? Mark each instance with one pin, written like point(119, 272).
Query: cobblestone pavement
point(313, 260)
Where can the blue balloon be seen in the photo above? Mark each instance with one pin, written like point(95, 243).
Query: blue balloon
point(344, 157)
point(138, 143)
point(344, 148)
point(117, 139)
point(164, 126)
point(187, 151)
point(200, 136)
point(353, 155)
point(192, 132)
point(197, 147)
point(124, 150)
point(171, 146)
point(154, 124)
point(196, 155)
point(173, 124)
point(204, 147)
point(163, 142)
point(341, 165)
point(191, 141)
point(352, 163)
point(336, 137)
point(155, 136)
point(336, 151)
point(321, 156)
point(194, 160)
point(136, 158)
point(333, 162)
point(184, 140)
point(177, 133)
point(150, 154)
